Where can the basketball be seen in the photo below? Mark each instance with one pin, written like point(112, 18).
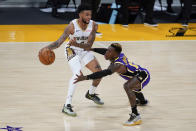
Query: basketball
point(46, 56)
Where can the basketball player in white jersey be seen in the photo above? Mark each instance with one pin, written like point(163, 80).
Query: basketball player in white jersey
point(81, 32)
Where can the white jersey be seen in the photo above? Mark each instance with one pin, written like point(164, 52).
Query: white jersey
point(80, 35)
point(76, 55)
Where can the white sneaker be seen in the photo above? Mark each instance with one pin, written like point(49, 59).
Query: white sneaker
point(68, 110)
point(133, 120)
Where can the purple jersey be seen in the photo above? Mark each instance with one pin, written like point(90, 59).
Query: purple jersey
point(132, 69)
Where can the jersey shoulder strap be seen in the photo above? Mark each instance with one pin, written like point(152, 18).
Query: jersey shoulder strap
point(76, 27)
point(119, 59)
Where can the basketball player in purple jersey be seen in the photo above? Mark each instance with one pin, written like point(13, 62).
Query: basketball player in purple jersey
point(136, 76)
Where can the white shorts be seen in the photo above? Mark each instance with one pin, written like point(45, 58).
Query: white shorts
point(77, 59)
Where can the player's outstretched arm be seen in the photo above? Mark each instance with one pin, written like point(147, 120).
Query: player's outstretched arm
point(91, 39)
point(97, 75)
point(101, 51)
point(62, 38)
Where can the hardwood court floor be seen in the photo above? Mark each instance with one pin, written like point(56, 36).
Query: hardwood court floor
point(32, 95)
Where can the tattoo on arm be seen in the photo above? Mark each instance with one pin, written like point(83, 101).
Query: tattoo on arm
point(63, 37)
point(91, 39)
point(92, 36)
point(98, 66)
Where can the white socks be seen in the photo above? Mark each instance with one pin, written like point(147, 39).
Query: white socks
point(92, 90)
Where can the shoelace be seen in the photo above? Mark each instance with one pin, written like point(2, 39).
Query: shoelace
point(95, 96)
point(70, 108)
point(132, 116)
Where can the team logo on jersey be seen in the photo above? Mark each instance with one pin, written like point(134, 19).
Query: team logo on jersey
point(9, 128)
point(70, 53)
point(82, 38)
point(182, 32)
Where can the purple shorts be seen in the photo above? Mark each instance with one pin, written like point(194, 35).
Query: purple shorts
point(146, 80)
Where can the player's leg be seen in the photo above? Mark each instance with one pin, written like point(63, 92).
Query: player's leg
point(75, 65)
point(130, 86)
point(93, 65)
point(140, 99)
point(144, 77)
point(136, 84)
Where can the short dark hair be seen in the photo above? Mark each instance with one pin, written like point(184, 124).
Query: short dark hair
point(117, 47)
point(83, 7)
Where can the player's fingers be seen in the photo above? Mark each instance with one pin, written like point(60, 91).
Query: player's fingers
point(42, 49)
point(75, 81)
point(81, 73)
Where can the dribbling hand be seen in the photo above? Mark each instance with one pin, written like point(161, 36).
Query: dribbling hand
point(45, 48)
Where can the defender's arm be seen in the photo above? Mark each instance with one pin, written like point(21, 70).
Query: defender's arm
point(101, 51)
point(97, 75)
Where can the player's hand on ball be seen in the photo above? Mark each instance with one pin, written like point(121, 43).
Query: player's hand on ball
point(44, 49)
point(46, 56)
point(80, 77)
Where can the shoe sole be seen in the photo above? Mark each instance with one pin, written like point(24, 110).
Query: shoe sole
point(98, 103)
point(73, 115)
point(95, 101)
point(133, 124)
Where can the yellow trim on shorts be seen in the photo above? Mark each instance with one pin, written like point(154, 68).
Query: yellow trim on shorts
point(144, 79)
point(127, 76)
point(130, 70)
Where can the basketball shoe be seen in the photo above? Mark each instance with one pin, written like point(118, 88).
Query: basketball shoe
point(94, 98)
point(133, 120)
point(141, 103)
point(68, 110)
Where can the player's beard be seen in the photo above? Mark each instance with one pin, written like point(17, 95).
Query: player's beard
point(85, 21)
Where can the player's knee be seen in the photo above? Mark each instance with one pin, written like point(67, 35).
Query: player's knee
point(128, 87)
point(98, 68)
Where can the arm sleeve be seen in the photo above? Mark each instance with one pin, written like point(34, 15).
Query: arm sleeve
point(101, 51)
point(99, 74)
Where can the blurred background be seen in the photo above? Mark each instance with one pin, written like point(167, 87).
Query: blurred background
point(104, 11)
